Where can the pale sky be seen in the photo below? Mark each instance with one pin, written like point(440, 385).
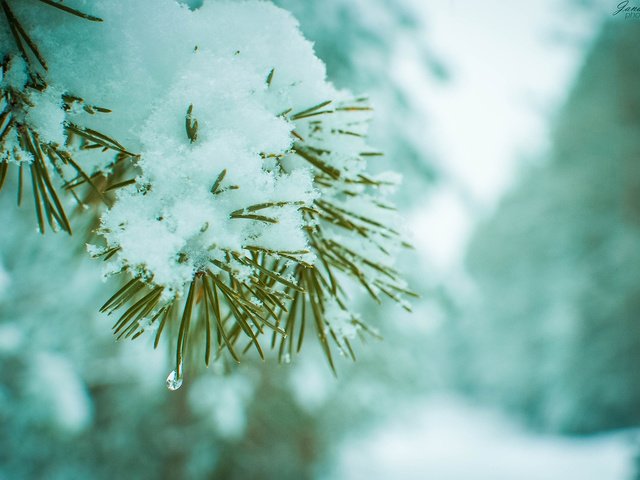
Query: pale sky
point(512, 64)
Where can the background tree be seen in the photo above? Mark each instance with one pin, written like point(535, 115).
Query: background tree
point(556, 266)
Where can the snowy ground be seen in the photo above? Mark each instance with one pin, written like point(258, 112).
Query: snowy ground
point(447, 439)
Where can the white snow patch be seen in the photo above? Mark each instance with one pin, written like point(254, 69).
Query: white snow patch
point(448, 439)
point(60, 392)
point(222, 401)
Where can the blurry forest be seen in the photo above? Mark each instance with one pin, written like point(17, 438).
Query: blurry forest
point(547, 331)
point(555, 335)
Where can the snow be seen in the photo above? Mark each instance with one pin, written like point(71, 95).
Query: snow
point(310, 385)
point(447, 439)
point(341, 322)
point(222, 401)
point(213, 102)
point(15, 75)
point(46, 112)
point(170, 224)
point(61, 394)
point(202, 107)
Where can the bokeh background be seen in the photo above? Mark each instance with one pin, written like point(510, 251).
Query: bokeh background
point(516, 126)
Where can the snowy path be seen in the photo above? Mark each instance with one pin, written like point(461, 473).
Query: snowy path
point(447, 439)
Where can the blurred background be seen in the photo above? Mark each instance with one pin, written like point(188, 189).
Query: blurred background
point(516, 127)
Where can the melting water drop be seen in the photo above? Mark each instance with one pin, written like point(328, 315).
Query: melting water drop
point(174, 380)
point(286, 358)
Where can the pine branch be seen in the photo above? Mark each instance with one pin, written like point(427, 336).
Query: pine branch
point(70, 10)
point(284, 293)
point(244, 299)
point(47, 158)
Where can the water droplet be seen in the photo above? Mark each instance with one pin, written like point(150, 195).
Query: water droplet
point(286, 358)
point(174, 380)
